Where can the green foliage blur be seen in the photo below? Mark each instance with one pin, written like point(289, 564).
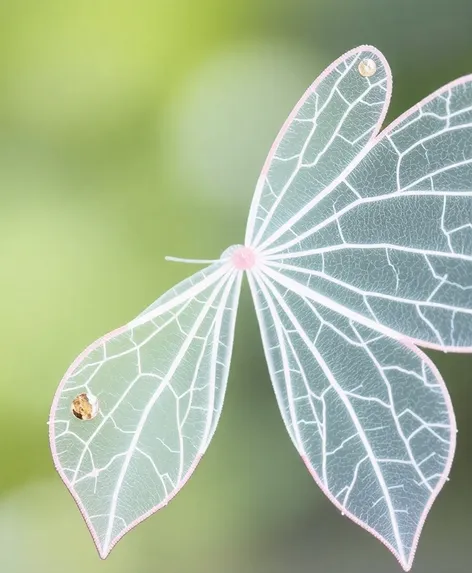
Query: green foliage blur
point(131, 130)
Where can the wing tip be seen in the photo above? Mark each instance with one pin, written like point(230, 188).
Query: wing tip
point(104, 551)
point(352, 52)
point(406, 562)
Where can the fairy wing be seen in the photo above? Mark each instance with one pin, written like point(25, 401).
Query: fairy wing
point(351, 262)
point(336, 118)
point(393, 248)
point(370, 415)
point(158, 384)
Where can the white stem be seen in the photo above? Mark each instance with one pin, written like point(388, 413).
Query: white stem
point(193, 261)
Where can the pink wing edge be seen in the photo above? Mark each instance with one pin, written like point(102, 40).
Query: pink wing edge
point(377, 136)
point(384, 133)
point(324, 74)
point(410, 343)
point(454, 83)
point(52, 442)
point(452, 447)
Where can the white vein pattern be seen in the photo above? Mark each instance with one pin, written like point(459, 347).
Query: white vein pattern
point(329, 128)
point(160, 385)
point(367, 413)
point(358, 246)
point(397, 248)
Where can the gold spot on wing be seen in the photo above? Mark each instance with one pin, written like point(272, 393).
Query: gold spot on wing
point(84, 407)
point(367, 68)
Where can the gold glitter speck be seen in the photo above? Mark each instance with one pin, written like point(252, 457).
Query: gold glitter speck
point(367, 68)
point(84, 407)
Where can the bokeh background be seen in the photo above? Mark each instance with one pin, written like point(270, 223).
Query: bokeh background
point(131, 130)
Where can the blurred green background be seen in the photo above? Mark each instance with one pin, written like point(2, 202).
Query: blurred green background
point(131, 130)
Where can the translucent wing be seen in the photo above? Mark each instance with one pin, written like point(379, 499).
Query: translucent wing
point(159, 383)
point(369, 415)
point(334, 120)
point(390, 242)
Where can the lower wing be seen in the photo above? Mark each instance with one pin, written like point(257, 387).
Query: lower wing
point(157, 386)
point(370, 415)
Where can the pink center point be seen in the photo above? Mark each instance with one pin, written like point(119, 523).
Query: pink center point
point(244, 258)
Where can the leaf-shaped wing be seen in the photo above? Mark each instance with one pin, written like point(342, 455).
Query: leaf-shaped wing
point(397, 245)
point(370, 415)
point(331, 124)
point(160, 383)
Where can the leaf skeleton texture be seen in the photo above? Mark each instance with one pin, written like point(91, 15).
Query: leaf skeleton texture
point(160, 384)
point(369, 415)
point(329, 127)
point(397, 244)
point(358, 248)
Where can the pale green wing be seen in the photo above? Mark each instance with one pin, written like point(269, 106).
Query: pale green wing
point(159, 384)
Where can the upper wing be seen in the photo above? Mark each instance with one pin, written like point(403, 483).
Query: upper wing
point(330, 125)
point(395, 248)
point(160, 383)
point(370, 415)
